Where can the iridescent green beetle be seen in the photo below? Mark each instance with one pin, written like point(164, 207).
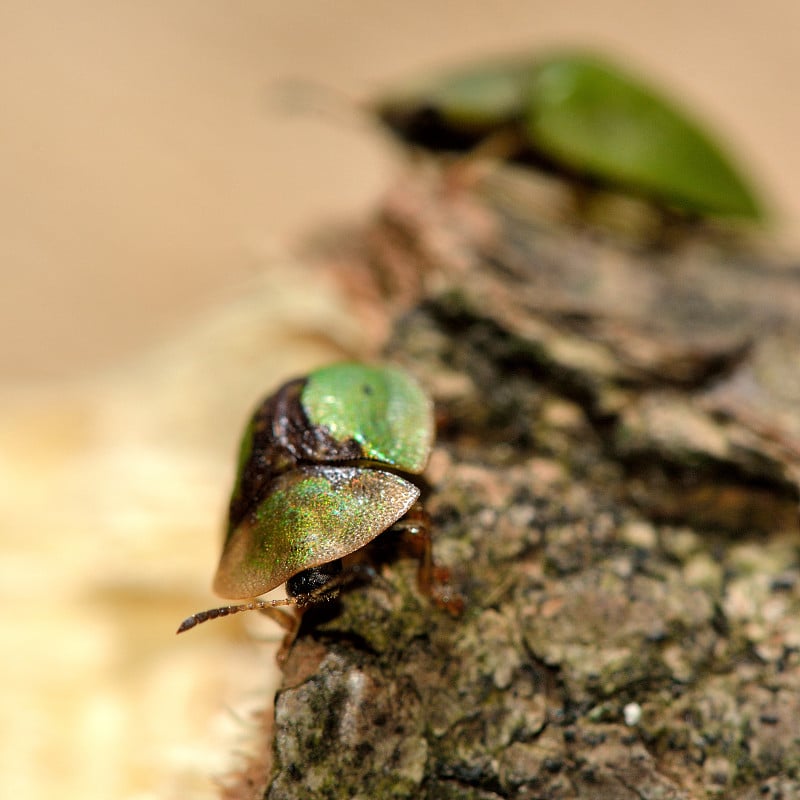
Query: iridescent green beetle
point(318, 479)
point(579, 115)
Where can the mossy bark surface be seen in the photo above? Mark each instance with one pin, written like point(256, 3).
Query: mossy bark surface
point(614, 489)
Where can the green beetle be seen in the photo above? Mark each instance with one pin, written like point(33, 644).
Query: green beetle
point(579, 115)
point(318, 479)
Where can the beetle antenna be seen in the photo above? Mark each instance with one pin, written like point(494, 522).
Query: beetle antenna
point(308, 97)
point(224, 611)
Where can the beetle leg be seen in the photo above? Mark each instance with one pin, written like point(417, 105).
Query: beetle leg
point(432, 578)
point(504, 144)
point(289, 622)
point(417, 525)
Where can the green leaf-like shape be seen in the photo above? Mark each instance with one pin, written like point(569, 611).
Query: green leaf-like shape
point(582, 116)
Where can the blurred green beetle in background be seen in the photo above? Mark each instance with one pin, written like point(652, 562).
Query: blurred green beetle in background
point(578, 115)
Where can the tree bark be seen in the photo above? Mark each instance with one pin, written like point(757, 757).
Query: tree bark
point(614, 489)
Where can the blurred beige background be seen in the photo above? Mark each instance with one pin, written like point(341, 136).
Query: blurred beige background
point(150, 188)
point(144, 169)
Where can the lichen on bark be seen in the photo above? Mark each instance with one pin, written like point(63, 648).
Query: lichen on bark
point(614, 490)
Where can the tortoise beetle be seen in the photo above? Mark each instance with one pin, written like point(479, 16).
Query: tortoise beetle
point(580, 116)
point(321, 474)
